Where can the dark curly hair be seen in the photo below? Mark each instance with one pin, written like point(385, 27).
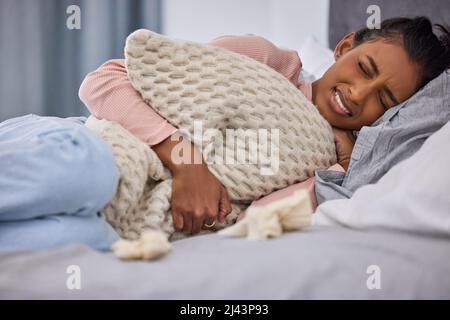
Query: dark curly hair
point(429, 50)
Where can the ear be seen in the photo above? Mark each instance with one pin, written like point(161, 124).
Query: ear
point(344, 45)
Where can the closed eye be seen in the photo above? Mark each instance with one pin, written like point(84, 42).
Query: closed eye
point(383, 104)
point(363, 69)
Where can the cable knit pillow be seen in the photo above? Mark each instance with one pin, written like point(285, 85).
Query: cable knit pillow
point(228, 95)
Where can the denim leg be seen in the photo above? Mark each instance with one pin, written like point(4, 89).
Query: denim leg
point(57, 230)
point(55, 178)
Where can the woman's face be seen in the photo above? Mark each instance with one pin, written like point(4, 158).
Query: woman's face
point(364, 82)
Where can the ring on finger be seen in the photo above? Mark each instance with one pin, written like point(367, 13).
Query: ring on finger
point(210, 225)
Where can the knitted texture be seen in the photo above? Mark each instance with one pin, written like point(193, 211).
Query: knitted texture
point(142, 200)
point(186, 82)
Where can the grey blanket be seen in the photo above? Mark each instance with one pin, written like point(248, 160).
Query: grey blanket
point(319, 263)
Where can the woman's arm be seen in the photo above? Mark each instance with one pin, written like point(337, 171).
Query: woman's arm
point(345, 142)
point(197, 195)
point(108, 94)
point(284, 61)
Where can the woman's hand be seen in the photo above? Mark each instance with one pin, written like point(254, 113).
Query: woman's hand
point(198, 198)
point(344, 146)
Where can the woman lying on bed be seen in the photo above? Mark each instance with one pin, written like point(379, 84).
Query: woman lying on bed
point(372, 73)
point(374, 70)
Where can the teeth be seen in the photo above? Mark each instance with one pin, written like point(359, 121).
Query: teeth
point(340, 104)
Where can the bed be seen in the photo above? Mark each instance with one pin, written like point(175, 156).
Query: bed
point(375, 245)
point(321, 262)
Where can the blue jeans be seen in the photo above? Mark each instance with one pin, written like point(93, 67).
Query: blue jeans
point(55, 177)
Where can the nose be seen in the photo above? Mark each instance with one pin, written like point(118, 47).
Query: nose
point(359, 92)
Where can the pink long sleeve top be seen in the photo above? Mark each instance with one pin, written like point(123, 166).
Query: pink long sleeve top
point(108, 94)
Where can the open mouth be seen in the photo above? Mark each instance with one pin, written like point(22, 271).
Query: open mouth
point(338, 105)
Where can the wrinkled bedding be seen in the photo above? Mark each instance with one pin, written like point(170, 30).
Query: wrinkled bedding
point(318, 263)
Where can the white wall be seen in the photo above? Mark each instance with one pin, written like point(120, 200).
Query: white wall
point(284, 22)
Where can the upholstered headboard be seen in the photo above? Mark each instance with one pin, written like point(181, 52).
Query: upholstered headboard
point(350, 15)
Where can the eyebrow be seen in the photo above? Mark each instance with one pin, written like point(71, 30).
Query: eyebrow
point(377, 72)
